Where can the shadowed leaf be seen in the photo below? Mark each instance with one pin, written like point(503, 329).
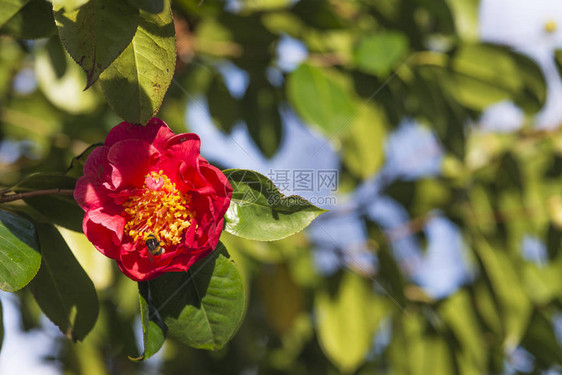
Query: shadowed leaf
point(96, 33)
point(62, 289)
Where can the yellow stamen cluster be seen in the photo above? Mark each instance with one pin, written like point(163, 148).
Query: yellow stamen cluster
point(158, 208)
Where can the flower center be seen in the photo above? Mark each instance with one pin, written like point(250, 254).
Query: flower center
point(158, 209)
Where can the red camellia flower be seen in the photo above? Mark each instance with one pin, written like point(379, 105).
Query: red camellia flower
point(152, 202)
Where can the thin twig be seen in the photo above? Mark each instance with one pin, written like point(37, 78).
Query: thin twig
point(14, 197)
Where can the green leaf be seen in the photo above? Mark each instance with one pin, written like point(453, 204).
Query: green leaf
point(483, 75)
point(153, 328)
point(62, 289)
point(344, 322)
point(59, 209)
point(223, 108)
point(11, 58)
point(533, 96)
point(76, 167)
point(378, 54)
point(320, 98)
point(506, 286)
point(261, 111)
point(264, 5)
point(391, 278)
point(203, 307)
point(458, 313)
point(542, 342)
point(34, 20)
point(465, 14)
point(363, 145)
point(319, 14)
point(62, 81)
point(416, 349)
point(258, 211)
point(135, 83)
point(281, 313)
point(10, 8)
point(96, 33)
point(558, 60)
point(68, 5)
point(19, 252)
point(152, 6)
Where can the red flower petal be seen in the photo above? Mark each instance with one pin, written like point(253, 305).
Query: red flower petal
point(155, 132)
point(221, 187)
point(90, 196)
point(109, 217)
point(105, 239)
point(181, 161)
point(131, 159)
point(141, 268)
point(97, 166)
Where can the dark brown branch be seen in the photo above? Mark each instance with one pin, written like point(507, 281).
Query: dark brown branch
point(16, 196)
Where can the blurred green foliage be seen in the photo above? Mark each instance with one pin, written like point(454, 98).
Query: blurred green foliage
point(371, 64)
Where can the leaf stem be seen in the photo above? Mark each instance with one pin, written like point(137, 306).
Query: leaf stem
point(4, 198)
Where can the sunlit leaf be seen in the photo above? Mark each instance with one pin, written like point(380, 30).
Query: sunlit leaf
point(203, 307)
point(320, 99)
point(379, 53)
point(96, 33)
point(507, 289)
point(416, 349)
point(62, 289)
point(264, 5)
point(68, 5)
point(136, 82)
point(258, 211)
point(9, 8)
point(481, 212)
point(465, 15)
point(344, 321)
point(19, 251)
point(363, 151)
point(483, 75)
point(458, 313)
point(11, 57)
